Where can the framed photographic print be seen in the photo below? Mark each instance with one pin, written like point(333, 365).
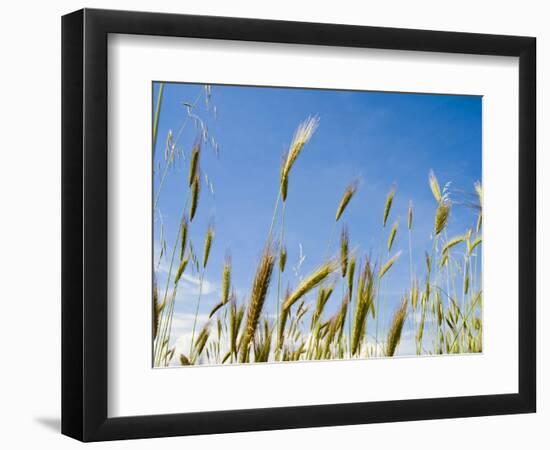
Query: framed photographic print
point(274, 224)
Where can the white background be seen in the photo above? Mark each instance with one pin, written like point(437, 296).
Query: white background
point(30, 225)
point(136, 389)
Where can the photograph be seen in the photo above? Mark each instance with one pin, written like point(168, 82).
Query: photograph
point(299, 224)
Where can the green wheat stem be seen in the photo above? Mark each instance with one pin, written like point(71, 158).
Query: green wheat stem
point(157, 115)
point(412, 320)
point(159, 342)
point(279, 269)
point(196, 311)
point(435, 306)
point(448, 290)
point(464, 319)
point(274, 213)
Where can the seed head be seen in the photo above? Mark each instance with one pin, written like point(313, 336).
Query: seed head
point(434, 186)
point(301, 137)
point(207, 245)
point(346, 197)
point(387, 207)
point(441, 216)
point(344, 248)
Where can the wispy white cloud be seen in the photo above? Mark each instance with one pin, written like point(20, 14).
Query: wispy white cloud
point(192, 285)
point(182, 330)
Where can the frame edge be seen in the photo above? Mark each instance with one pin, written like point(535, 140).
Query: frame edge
point(72, 222)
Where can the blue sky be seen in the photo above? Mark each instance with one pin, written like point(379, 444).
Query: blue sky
point(381, 139)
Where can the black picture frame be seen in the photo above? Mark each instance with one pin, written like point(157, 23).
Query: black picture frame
point(84, 224)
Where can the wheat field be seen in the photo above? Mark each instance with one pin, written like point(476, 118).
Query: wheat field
point(346, 306)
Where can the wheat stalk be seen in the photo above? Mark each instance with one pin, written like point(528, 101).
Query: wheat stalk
point(207, 245)
point(344, 250)
point(350, 191)
point(202, 338)
point(235, 319)
point(476, 242)
point(391, 238)
point(322, 298)
point(434, 186)
point(452, 242)
point(301, 137)
point(194, 164)
point(282, 258)
point(226, 279)
point(441, 216)
point(195, 192)
point(351, 274)
point(394, 334)
point(157, 116)
point(181, 269)
point(184, 230)
point(310, 282)
point(226, 284)
point(389, 264)
point(414, 294)
point(387, 205)
point(364, 301)
point(258, 295)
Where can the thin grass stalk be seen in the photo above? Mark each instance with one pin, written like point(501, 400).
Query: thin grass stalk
point(309, 283)
point(173, 149)
point(157, 115)
point(163, 331)
point(282, 262)
point(474, 304)
point(364, 299)
point(206, 253)
point(351, 272)
point(409, 227)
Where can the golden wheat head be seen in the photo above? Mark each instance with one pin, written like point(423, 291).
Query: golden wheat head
point(301, 137)
point(394, 334)
point(434, 186)
point(441, 216)
point(226, 279)
point(207, 244)
point(350, 191)
point(344, 250)
point(260, 287)
point(310, 282)
point(389, 264)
